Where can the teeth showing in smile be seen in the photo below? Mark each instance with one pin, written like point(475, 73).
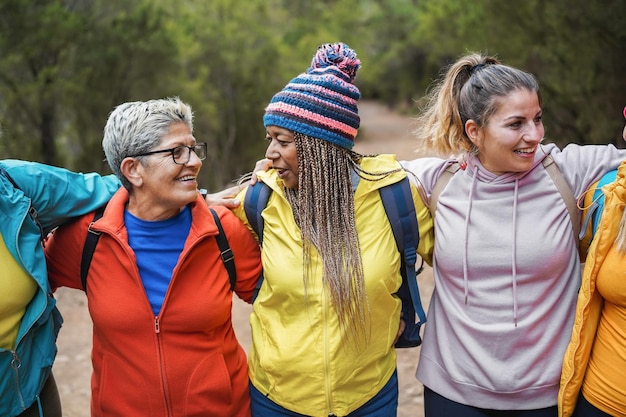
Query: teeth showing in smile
point(187, 178)
point(525, 151)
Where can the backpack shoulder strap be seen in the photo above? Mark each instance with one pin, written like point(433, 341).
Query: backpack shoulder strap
point(400, 209)
point(91, 241)
point(32, 211)
point(598, 197)
point(566, 192)
point(549, 165)
point(254, 202)
point(90, 246)
point(593, 205)
point(225, 251)
point(441, 183)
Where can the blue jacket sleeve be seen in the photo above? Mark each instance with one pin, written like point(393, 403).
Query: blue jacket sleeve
point(57, 193)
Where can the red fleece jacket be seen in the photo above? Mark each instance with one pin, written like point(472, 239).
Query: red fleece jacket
point(187, 360)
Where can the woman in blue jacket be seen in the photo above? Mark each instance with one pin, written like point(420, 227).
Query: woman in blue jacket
point(34, 198)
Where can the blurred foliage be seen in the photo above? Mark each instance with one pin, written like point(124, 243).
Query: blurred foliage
point(65, 64)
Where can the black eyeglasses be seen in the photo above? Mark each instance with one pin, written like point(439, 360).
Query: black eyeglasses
point(178, 153)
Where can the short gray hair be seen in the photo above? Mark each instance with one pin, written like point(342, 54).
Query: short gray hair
point(137, 127)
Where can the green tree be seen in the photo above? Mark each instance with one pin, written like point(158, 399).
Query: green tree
point(67, 64)
point(575, 48)
point(233, 63)
point(130, 53)
point(37, 43)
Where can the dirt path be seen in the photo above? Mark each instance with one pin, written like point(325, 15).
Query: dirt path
point(382, 131)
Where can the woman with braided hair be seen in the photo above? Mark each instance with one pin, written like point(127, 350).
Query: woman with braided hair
point(326, 317)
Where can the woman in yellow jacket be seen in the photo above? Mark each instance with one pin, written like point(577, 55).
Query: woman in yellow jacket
point(326, 317)
point(592, 381)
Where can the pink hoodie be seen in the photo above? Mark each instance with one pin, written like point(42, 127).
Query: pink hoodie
point(506, 272)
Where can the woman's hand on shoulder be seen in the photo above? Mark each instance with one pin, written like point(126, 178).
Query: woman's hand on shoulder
point(225, 197)
point(261, 165)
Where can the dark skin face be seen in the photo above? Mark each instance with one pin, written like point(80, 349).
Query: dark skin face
point(281, 150)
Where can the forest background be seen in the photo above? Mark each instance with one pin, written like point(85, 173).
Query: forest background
point(65, 64)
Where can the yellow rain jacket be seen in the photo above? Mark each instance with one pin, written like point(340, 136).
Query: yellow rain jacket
point(299, 358)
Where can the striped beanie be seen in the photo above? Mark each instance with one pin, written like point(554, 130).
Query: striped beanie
point(322, 102)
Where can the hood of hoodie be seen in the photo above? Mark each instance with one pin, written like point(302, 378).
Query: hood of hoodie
point(473, 165)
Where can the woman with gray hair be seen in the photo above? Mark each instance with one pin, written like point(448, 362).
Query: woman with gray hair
point(158, 290)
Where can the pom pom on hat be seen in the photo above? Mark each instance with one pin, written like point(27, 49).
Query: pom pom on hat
point(322, 102)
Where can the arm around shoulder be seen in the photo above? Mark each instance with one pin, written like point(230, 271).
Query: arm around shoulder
point(57, 193)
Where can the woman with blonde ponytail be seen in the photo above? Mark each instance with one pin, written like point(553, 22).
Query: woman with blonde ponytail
point(505, 262)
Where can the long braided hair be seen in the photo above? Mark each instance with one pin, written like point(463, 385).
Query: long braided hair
point(323, 206)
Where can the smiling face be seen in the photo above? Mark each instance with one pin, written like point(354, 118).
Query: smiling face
point(509, 139)
point(161, 188)
point(281, 150)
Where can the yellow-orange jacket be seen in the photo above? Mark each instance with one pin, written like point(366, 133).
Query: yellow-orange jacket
point(589, 306)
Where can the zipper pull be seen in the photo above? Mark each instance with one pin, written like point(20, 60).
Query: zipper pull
point(16, 362)
point(157, 326)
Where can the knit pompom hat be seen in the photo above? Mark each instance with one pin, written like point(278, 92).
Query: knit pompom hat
point(322, 102)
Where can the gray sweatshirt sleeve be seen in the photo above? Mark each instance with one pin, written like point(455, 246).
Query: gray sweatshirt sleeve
point(583, 165)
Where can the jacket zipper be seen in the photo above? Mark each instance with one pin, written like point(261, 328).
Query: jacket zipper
point(30, 274)
point(157, 324)
point(157, 331)
point(16, 364)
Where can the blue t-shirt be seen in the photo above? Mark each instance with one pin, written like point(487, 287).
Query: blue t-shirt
point(157, 246)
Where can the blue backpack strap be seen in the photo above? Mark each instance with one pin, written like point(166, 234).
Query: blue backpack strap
point(254, 202)
point(398, 202)
point(598, 196)
point(594, 212)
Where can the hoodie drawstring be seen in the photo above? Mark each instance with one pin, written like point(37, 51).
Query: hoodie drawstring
point(465, 249)
point(513, 245)
point(514, 252)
